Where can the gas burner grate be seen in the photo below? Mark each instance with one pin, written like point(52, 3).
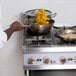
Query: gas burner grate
point(49, 39)
point(39, 42)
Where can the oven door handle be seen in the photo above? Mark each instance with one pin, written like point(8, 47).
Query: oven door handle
point(27, 73)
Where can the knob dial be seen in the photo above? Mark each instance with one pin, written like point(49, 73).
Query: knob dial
point(45, 60)
point(30, 61)
point(62, 60)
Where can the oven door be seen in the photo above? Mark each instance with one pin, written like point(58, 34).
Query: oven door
point(68, 72)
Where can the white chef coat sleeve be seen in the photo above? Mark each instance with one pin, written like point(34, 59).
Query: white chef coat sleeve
point(3, 38)
point(3, 35)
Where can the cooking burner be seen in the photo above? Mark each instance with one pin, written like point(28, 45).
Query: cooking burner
point(38, 40)
point(48, 39)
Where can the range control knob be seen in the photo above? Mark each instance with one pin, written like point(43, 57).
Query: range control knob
point(45, 60)
point(62, 60)
point(30, 61)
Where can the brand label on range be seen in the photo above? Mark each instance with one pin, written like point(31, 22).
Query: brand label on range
point(50, 59)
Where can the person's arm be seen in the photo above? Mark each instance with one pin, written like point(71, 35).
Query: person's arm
point(5, 35)
point(15, 26)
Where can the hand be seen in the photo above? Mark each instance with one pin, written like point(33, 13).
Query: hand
point(16, 26)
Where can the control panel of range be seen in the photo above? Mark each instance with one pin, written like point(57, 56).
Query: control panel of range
point(50, 59)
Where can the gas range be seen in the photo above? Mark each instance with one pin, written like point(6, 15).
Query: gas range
point(48, 51)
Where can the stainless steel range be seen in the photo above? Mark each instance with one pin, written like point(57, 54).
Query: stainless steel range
point(50, 51)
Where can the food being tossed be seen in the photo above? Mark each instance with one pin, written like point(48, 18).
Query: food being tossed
point(42, 17)
point(39, 21)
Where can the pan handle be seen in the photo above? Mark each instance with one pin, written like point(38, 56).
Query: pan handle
point(53, 15)
point(72, 27)
point(26, 26)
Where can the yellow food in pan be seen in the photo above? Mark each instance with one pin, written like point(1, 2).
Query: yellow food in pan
point(42, 17)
